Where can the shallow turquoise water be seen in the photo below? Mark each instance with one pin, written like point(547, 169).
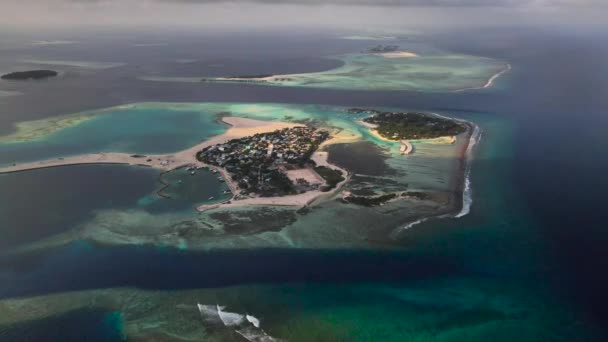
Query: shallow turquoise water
point(448, 279)
point(147, 130)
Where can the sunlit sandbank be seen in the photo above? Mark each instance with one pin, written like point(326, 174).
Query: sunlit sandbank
point(376, 167)
point(239, 127)
point(401, 70)
point(54, 42)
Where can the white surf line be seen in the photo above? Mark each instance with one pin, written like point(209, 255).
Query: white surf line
point(467, 193)
point(490, 81)
point(497, 75)
point(246, 325)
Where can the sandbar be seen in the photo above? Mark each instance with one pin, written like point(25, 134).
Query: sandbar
point(239, 128)
point(397, 54)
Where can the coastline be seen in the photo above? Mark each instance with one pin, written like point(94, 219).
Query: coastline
point(239, 128)
point(397, 54)
point(300, 200)
point(407, 147)
point(460, 198)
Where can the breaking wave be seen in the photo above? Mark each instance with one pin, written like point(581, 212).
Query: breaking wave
point(467, 193)
point(245, 325)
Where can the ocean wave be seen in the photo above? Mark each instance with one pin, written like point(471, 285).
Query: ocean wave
point(245, 325)
point(230, 318)
point(467, 193)
point(253, 320)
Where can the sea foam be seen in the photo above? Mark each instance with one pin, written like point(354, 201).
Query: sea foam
point(245, 325)
point(467, 193)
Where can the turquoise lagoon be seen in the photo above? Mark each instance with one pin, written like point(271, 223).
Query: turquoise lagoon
point(448, 279)
point(431, 71)
point(434, 72)
point(433, 168)
point(138, 129)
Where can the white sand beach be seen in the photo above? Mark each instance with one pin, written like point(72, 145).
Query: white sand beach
point(239, 128)
point(398, 54)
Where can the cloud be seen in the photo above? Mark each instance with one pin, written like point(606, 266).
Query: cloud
point(355, 14)
point(381, 3)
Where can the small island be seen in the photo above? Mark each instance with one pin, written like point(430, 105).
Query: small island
point(29, 75)
point(383, 49)
point(273, 164)
point(411, 125)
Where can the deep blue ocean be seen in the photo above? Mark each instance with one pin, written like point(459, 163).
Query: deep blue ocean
point(537, 230)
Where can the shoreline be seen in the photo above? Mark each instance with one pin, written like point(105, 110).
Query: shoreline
point(300, 200)
point(397, 54)
point(238, 128)
point(460, 198)
point(406, 148)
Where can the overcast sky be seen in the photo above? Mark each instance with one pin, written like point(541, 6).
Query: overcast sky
point(240, 14)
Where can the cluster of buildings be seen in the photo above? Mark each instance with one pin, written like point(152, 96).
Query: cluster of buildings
point(257, 163)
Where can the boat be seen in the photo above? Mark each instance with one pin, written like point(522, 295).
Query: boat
point(210, 198)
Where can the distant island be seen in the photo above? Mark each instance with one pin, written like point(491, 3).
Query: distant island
point(262, 78)
point(410, 125)
point(251, 76)
point(383, 49)
point(29, 75)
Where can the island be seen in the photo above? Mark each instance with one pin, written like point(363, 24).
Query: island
point(262, 163)
point(377, 68)
point(406, 126)
point(413, 125)
point(383, 49)
point(29, 75)
point(280, 175)
point(267, 164)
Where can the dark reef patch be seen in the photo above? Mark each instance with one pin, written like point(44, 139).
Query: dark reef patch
point(29, 75)
point(361, 158)
point(254, 221)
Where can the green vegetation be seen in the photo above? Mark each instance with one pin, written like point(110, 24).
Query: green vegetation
point(383, 48)
point(332, 177)
point(254, 162)
point(407, 126)
point(27, 75)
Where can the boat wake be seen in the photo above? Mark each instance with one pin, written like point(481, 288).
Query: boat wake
point(245, 325)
